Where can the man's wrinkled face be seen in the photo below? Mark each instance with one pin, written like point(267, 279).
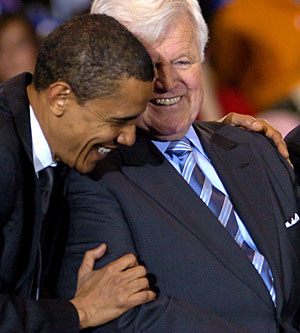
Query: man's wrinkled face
point(178, 89)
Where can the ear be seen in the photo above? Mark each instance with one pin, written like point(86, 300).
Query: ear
point(58, 95)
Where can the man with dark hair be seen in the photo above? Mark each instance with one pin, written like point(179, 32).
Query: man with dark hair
point(92, 80)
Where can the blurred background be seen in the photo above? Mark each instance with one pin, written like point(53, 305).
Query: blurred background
point(252, 61)
point(24, 24)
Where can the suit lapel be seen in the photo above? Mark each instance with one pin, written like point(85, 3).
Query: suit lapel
point(19, 106)
point(148, 169)
point(246, 185)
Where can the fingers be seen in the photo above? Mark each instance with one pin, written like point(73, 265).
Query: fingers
point(263, 126)
point(138, 285)
point(277, 138)
point(140, 298)
point(139, 292)
point(125, 262)
point(89, 258)
point(132, 277)
point(271, 133)
point(242, 120)
point(137, 273)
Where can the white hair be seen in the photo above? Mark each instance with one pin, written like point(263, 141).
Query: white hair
point(150, 19)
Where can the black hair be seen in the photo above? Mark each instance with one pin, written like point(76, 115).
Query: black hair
point(92, 53)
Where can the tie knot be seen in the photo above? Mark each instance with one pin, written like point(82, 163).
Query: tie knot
point(179, 147)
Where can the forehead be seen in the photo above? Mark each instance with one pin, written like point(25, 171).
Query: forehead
point(179, 39)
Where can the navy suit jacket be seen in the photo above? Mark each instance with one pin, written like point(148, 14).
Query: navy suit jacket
point(293, 142)
point(23, 225)
point(204, 281)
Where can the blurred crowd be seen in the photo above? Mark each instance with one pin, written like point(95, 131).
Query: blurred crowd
point(252, 61)
point(24, 24)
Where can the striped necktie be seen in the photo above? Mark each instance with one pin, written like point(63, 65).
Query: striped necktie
point(219, 204)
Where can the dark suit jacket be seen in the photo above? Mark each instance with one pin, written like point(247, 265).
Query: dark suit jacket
point(204, 281)
point(293, 142)
point(22, 224)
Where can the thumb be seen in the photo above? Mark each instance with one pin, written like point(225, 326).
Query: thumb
point(89, 258)
point(100, 250)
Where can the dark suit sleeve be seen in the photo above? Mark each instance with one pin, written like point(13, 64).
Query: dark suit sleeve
point(293, 142)
point(96, 217)
point(8, 187)
point(19, 314)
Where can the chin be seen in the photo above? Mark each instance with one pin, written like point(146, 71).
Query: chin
point(85, 168)
point(165, 129)
point(175, 130)
point(171, 134)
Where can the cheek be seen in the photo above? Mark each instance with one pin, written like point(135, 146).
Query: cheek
point(195, 85)
point(194, 77)
point(194, 81)
point(197, 92)
point(109, 135)
point(141, 120)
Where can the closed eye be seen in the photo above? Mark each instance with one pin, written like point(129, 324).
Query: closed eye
point(182, 64)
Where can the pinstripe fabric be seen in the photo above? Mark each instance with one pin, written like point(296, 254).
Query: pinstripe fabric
point(219, 204)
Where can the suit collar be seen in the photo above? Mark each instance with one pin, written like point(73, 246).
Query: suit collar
point(15, 93)
point(142, 152)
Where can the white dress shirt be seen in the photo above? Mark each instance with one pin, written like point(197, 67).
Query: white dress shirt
point(42, 157)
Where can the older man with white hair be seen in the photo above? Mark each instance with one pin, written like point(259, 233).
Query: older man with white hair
point(209, 209)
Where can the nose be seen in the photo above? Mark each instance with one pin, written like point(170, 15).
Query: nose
point(127, 135)
point(167, 78)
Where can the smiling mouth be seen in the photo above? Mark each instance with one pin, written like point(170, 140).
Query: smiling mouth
point(103, 150)
point(166, 101)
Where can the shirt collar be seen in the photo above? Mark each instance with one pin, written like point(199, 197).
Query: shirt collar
point(191, 135)
point(42, 157)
